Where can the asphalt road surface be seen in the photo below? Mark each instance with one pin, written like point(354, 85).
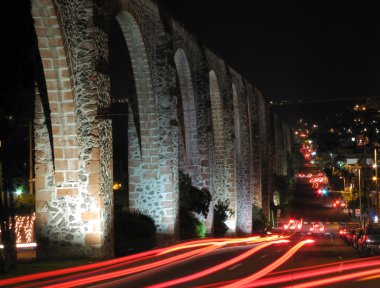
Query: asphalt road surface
point(286, 258)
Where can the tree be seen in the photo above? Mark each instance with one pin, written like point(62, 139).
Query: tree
point(193, 206)
point(222, 212)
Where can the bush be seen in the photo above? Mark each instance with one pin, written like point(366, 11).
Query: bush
point(24, 204)
point(134, 232)
point(190, 226)
point(259, 222)
point(200, 230)
point(222, 213)
point(193, 205)
point(191, 198)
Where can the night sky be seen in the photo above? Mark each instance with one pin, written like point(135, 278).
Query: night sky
point(316, 55)
point(324, 52)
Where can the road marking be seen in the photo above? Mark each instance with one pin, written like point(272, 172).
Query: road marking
point(263, 256)
point(233, 267)
point(340, 257)
point(278, 251)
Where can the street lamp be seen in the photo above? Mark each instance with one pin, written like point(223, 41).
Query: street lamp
point(376, 184)
point(360, 193)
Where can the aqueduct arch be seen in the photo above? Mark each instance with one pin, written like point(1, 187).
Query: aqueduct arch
point(226, 124)
point(191, 157)
point(218, 172)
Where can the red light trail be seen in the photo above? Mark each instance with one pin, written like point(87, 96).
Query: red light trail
point(89, 274)
point(216, 267)
point(128, 271)
point(250, 279)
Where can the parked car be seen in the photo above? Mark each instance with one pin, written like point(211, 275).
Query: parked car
point(345, 227)
point(358, 234)
point(349, 236)
point(369, 243)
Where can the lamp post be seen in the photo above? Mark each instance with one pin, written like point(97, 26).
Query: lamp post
point(360, 193)
point(377, 184)
point(344, 183)
point(31, 182)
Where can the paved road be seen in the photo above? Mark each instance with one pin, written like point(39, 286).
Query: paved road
point(310, 205)
point(325, 262)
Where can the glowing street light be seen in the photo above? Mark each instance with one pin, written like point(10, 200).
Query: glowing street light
point(19, 191)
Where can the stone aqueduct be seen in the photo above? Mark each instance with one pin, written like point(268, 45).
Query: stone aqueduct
point(186, 110)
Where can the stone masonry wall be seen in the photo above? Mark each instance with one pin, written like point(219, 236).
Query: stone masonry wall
point(75, 225)
point(195, 113)
point(243, 154)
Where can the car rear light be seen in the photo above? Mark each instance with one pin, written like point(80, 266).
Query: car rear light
point(366, 239)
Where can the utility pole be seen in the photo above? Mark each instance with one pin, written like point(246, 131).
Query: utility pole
point(377, 184)
point(31, 182)
point(360, 193)
point(1, 171)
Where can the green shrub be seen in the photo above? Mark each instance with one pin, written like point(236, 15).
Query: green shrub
point(222, 213)
point(188, 225)
point(259, 222)
point(134, 232)
point(200, 230)
point(193, 202)
point(24, 204)
point(191, 198)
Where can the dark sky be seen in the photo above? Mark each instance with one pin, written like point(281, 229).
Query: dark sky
point(297, 51)
point(324, 52)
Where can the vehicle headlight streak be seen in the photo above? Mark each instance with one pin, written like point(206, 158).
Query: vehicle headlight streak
point(159, 263)
point(125, 260)
point(336, 279)
point(270, 267)
point(315, 271)
point(128, 271)
point(220, 241)
point(284, 276)
point(216, 267)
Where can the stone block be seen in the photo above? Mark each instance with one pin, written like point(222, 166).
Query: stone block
point(61, 165)
point(71, 152)
point(92, 166)
point(71, 176)
point(93, 189)
point(95, 153)
point(39, 182)
point(93, 239)
point(94, 179)
point(43, 196)
point(58, 153)
point(59, 177)
point(42, 218)
point(67, 191)
point(89, 215)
